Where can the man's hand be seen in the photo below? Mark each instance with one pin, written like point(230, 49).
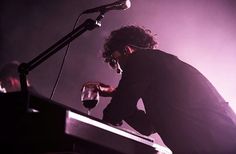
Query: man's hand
point(103, 89)
point(106, 90)
point(2, 89)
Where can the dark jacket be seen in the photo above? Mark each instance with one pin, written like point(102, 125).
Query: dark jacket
point(181, 105)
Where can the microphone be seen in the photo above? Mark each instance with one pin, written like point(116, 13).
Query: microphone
point(118, 5)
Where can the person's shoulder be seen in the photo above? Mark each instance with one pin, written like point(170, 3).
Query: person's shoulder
point(153, 53)
point(143, 52)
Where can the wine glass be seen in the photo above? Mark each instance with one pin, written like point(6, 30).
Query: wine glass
point(90, 96)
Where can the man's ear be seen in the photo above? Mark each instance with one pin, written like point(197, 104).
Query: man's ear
point(128, 50)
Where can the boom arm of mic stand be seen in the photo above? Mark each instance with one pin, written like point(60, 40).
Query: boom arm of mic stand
point(25, 68)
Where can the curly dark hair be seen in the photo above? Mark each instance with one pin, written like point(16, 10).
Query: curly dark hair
point(128, 35)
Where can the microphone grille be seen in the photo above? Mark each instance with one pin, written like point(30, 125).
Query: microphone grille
point(126, 4)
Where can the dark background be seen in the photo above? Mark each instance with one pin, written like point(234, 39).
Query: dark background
point(200, 32)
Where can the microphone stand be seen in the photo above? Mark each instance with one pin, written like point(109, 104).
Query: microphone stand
point(25, 68)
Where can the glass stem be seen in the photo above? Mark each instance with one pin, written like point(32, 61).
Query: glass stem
point(89, 112)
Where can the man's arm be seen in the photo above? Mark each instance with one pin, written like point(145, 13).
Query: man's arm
point(133, 84)
point(140, 122)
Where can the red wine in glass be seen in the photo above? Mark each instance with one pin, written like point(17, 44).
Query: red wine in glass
point(89, 104)
point(90, 96)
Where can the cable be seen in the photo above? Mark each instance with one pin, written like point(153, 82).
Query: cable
point(63, 61)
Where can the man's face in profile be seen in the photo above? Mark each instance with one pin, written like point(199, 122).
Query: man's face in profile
point(121, 59)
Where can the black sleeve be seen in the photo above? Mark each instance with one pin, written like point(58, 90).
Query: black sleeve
point(140, 122)
point(133, 83)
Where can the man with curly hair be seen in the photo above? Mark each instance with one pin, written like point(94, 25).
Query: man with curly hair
point(181, 105)
point(9, 78)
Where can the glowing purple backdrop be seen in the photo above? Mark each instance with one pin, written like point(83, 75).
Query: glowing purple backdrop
point(200, 32)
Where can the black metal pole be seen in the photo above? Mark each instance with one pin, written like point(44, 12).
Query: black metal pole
point(25, 68)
